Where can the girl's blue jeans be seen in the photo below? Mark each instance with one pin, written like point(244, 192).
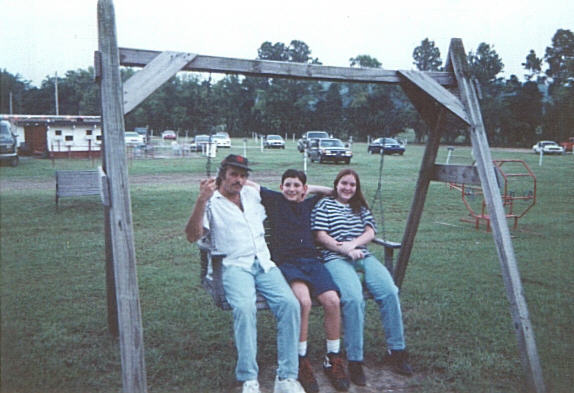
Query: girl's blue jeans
point(380, 284)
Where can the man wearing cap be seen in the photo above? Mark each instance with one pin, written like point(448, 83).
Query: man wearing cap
point(233, 215)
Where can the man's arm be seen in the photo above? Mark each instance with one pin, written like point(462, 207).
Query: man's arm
point(250, 183)
point(194, 227)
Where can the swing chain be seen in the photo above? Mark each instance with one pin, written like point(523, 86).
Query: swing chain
point(378, 198)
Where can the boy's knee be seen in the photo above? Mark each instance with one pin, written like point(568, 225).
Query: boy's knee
point(306, 303)
point(331, 300)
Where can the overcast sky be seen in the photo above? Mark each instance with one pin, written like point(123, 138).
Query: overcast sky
point(41, 37)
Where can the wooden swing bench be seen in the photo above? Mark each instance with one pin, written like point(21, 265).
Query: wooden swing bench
point(211, 272)
point(74, 183)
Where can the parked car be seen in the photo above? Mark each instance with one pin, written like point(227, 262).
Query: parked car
point(8, 151)
point(273, 142)
point(198, 143)
point(169, 134)
point(222, 139)
point(308, 136)
point(329, 149)
point(387, 145)
point(569, 144)
point(548, 147)
point(133, 138)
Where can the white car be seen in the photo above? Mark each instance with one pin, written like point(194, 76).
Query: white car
point(221, 139)
point(548, 147)
point(132, 138)
point(274, 141)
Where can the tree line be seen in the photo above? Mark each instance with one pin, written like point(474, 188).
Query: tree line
point(515, 113)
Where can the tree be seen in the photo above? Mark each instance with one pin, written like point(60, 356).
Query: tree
point(560, 56)
point(12, 92)
point(78, 94)
point(269, 51)
point(533, 65)
point(329, 110)
point(427, 56)
point(365, 61)
point(485, 64)
point(286, 105)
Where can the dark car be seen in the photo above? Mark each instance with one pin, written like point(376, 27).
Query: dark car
point(329, 149)
point(8, 150)
point(304, 142)
point(387, 145)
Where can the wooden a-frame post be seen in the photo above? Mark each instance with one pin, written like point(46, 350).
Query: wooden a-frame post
point(456, 63)
point(119, 230)
point(427, 90)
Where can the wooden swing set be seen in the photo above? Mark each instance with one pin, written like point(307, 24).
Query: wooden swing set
point(439, 97)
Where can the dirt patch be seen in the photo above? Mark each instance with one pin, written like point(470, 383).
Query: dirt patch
point(192, 179)
point(379, 380)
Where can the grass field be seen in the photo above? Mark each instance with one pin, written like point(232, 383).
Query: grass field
point(457, 317)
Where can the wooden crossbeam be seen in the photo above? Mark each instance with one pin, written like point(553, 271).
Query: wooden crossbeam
point(153, 75)
point(442, 96)
point(461, 174)
point(266, 68)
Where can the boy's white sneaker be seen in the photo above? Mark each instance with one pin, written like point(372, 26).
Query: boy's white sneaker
point(287, 385)
point(251, 387)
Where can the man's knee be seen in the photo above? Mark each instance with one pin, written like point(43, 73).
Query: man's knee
point(244, 308)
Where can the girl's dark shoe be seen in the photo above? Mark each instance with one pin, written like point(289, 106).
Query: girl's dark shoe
point(356, 373)
point(398, 360)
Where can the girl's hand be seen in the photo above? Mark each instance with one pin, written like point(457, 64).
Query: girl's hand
point(356, 254)
point(347, 247)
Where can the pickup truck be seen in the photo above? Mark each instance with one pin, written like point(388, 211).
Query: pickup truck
point(568, 144)
point(303, 143)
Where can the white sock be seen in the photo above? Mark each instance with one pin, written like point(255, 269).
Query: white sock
point(333, 346)
point(302, 348)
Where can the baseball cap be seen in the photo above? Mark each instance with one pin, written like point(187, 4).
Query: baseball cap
point(237, 161)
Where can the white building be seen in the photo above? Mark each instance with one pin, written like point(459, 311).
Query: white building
point(57, 136)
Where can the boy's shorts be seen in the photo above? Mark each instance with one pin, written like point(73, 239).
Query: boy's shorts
point(312, 272)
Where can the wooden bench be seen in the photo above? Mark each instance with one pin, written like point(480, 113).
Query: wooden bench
point(211, 273)
point(81, 183)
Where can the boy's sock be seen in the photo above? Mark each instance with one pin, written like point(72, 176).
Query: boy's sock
point(302, 348)
point(333, 346)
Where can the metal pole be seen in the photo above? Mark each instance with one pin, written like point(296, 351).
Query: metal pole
point(56, 95)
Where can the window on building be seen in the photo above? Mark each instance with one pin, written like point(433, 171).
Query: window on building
point(88, 132)
point(58, 132)
point(69, 138)
point(98, 137)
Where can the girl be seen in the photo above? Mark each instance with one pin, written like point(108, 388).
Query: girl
point(343, 225)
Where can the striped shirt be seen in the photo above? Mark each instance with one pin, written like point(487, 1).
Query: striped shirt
point(341, 223)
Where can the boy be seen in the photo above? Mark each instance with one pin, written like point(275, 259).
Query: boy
point(293, 249)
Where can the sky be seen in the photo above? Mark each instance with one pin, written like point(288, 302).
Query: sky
point(39, 38)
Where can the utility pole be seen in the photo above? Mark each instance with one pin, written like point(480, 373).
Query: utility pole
point(56, 94)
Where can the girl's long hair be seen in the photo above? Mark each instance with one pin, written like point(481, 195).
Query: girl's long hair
point(358, 200)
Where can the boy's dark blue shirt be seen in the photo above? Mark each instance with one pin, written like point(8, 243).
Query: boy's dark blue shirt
point(290, 222)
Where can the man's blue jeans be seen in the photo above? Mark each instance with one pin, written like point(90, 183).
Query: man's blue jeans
point(240, 286)
point(380, 283)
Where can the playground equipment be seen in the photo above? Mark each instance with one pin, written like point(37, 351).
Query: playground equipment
point(441, 98)
point(517, 185)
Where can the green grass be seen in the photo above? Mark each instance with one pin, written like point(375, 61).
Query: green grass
point(457, 319)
